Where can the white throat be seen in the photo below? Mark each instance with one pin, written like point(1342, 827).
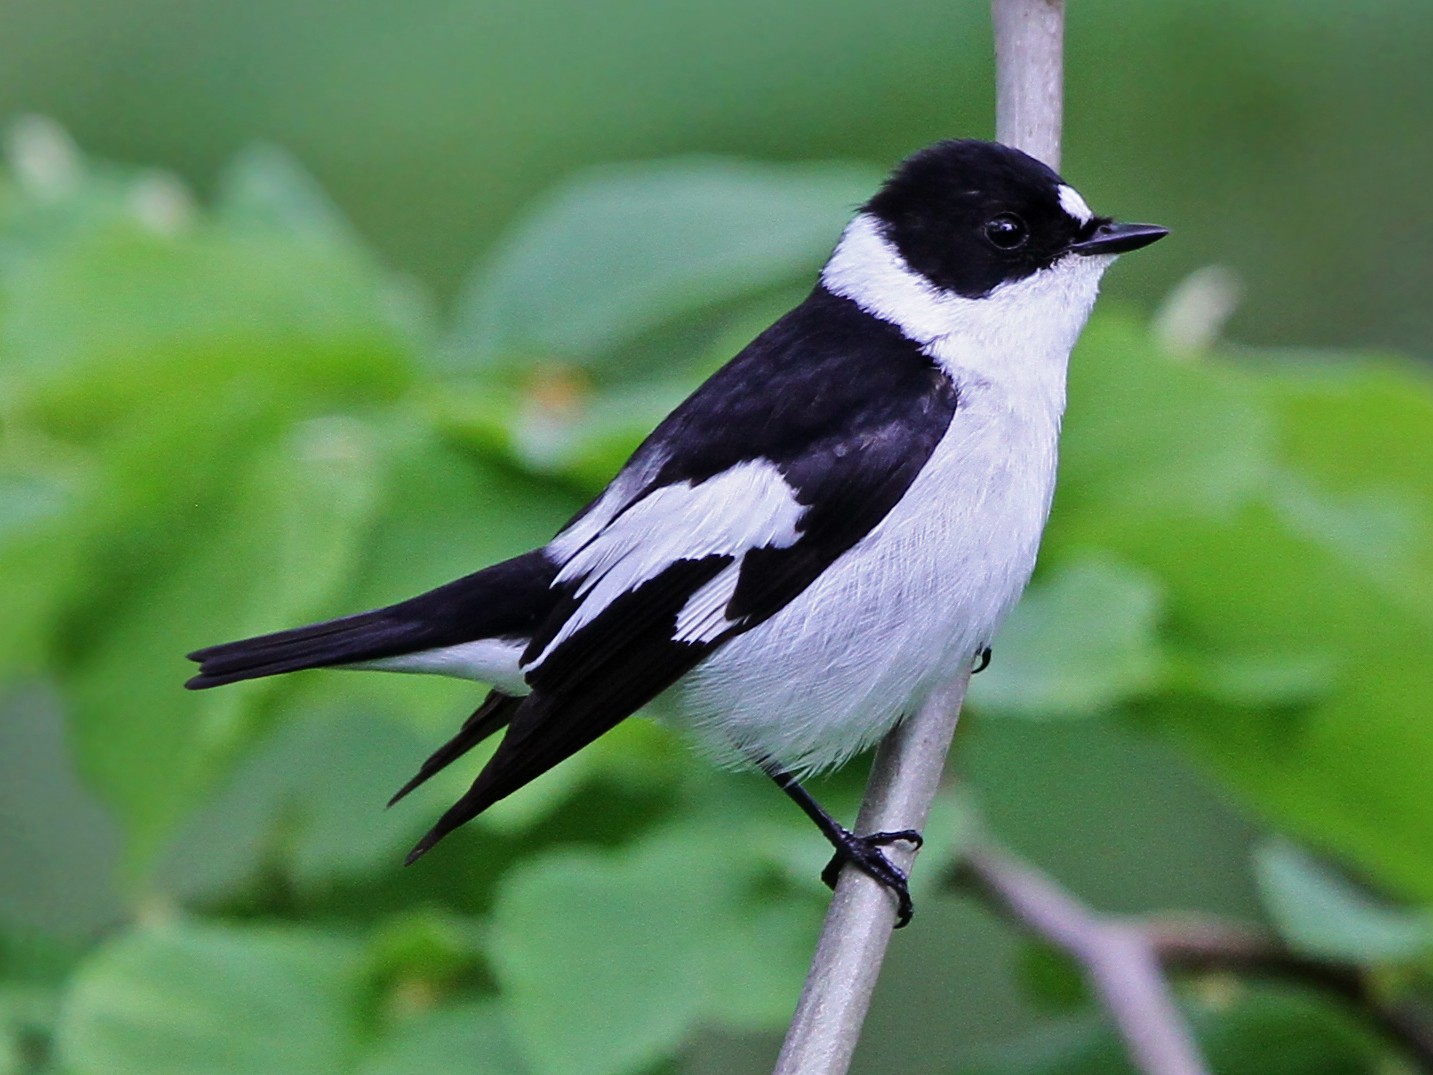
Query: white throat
point(1018, 337)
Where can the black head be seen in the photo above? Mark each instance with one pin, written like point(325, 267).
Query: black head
point(971, 215)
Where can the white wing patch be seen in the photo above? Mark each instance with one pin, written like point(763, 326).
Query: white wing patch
point(748, 506)
point(1074, 205)
point(622, 490)
point(704, 617)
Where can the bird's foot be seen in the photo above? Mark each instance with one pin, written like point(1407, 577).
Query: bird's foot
point(864, 853)
point(982, 661)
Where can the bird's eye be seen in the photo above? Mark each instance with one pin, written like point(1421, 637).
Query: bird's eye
point(1006, 231)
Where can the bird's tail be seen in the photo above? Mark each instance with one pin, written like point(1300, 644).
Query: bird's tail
point(505, 601)
point(364, 637)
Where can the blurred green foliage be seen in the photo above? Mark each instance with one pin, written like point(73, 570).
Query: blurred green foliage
point(1287, 138)
point(225, 419)
point(229, 417)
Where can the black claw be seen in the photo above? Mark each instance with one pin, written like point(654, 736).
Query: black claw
point(864, 852)
point(982, 661)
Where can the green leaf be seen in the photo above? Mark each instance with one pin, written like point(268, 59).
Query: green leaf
point(755, 961)
point(1355, 435)
point(421, 513)
point(1322, 914)
point(621, 249)
point(26, 1018)
point(287, 542)
point(444, 513)
point(565, 422)
point(642, 925)
point(1348, 773)
point(306, 804)
point(1051, 977)
point(334, 774)
point(1080, 641)
point(1151, 436)
point(58, 846)
point(265, 191)
point(42, 553)
point(145, 356)
point(34, 967)
point(27, 500)
point(1276, 681)
point(193, 998)
point(449, 511)
point(562, 429)
point(665, 942)
point(1353, 422)
point(951, 829)
point(1297, 608)
point(426, 945)
point(461, 1039)
point(265, 187)
point(124, 324)
point(1260, 1031)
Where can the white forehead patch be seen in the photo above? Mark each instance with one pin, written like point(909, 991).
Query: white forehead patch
point(1072, 203)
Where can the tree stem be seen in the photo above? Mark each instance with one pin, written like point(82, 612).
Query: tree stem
point(1120, 960)
point(1030, 75)
point(904, 779)
point(1029, 39)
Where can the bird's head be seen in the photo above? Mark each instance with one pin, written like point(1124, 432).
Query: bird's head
point(982, 249)
point(970, 216)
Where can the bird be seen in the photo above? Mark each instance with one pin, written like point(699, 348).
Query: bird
point(829, 527)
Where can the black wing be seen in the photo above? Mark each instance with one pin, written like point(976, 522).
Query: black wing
point(492, 716)
point(845, 408)
point(608, 670)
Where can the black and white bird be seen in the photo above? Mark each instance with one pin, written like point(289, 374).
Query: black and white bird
point(834, 523)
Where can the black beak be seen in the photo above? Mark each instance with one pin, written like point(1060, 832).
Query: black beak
point(1112, 238)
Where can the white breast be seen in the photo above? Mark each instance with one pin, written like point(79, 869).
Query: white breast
point(905, 607)
point(894, 616)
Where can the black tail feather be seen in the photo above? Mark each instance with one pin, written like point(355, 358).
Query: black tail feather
point(490, 717)
point(366, 636)
point(506, 600)
point(584, 691)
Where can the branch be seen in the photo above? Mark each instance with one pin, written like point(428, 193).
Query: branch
point(1125, 957)
point(1030, 75)
point(904, 779)
point(1120, 959)
point(1029, 39)
point(1201, 944)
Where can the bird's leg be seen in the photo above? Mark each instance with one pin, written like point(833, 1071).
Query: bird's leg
point(863, 852)
point(982, 661)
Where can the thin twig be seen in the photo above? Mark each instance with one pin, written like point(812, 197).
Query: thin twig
point(1030, 75)
point(1196, 944)
point(827, 1023)
point(1203, 945)
point(1119, 958)
point(833, 1004)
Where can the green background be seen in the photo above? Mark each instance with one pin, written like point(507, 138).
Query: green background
point(304, 308)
